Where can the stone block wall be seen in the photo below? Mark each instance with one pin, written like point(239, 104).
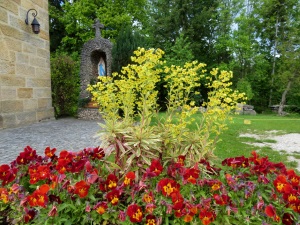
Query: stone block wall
point(25, 80)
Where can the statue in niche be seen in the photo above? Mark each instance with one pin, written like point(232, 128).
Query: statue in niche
point(101, 67)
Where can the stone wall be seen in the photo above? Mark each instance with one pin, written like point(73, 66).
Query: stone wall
point(25, 80)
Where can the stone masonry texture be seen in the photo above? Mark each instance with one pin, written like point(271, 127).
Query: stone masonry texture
point(25, 79)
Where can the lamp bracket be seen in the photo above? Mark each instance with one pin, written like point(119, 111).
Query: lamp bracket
point(33, 14)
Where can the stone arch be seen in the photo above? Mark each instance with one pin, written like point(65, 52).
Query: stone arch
point(90, 56)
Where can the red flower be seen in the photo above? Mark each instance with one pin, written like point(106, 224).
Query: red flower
point(30, 214)
point(240, 161)
point(150, 220)
point(50, 152)
point(271, 212)
point(7, 174)
point(168, 186)
point(135, 213)
point(177, 200)
point(293, 177)
point(181, 160)
point(81, 188)
point(101, 207)
point(282, 185)
point(130, 176)
point(39, 197)
point(113, 196)
point(98, 153)
point(287, 219)
point(111, 181)
point(191, 175)
point(221, 199)
point(156, 167)
point(206, 216)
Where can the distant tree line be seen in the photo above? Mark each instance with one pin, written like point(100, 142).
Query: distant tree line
point(256, 39)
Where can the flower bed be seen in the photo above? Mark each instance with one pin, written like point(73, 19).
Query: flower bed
point(86, 188)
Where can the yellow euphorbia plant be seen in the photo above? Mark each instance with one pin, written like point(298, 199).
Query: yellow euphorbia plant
point(133, 94)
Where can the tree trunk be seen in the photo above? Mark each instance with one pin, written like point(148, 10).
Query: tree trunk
point(274, 62)
point(283, 98)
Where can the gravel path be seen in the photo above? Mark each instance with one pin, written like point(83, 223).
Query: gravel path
point(67, 133)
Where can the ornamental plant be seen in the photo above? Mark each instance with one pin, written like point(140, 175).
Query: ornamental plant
point(80, 188)
point(133, 94)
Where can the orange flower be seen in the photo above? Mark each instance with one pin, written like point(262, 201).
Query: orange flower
point(130, 176)
point(148, 198)
point(101, 207)
point(4, 195)
point(81, 188)
point(135, 213)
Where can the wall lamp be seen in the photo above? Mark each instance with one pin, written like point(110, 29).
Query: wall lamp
point(35, 24)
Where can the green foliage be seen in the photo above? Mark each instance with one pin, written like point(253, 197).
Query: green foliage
point(64, 85)
point(127, 41)
point(244, 86)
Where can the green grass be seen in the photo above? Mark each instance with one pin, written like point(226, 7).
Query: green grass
point(232, 145)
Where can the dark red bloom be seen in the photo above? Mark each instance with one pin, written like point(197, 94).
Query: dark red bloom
point(7, 174)
point(287, 219)
point(221, 199)
point(156, 167)
point(98, 153)
point(53, 211)
point(135, 213)
point(240, 161)
point(111, 181)
point(129, 178)
point(191, 175)
point(30, 214)
point(113, 196)
point(168, 186)
point(150, 220)
point(81, 188)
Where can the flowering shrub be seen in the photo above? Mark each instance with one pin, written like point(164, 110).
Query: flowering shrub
point(79, 188)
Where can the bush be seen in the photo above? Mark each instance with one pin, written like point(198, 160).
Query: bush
point(65, 83)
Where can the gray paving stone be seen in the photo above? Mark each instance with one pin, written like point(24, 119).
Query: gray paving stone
point(67, 133)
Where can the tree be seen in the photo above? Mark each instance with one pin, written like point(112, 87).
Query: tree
point(127, 41)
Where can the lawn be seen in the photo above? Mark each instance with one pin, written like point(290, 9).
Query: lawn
point(232, 145)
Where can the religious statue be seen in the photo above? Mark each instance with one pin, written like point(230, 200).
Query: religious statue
point(101, 67)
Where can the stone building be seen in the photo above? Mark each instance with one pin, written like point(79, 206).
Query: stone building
point(25, 80)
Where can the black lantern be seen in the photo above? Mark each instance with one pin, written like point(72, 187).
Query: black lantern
point(35, 24)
